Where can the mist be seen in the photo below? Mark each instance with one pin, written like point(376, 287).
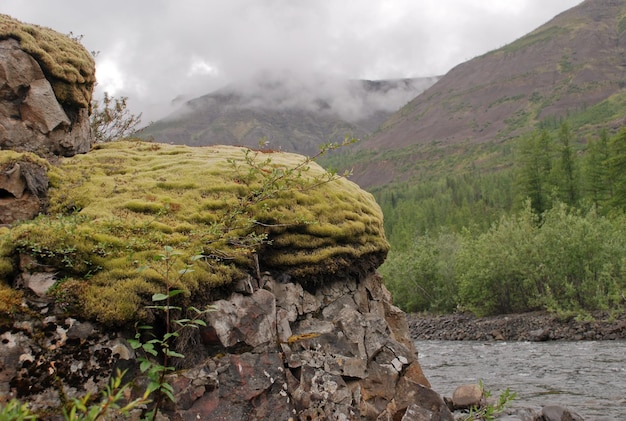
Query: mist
point(350, 99)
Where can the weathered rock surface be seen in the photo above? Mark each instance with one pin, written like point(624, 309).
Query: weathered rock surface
point(46, 82)
point(31, 117)
point(339, 351)
point(23, 188)
point(466, 396)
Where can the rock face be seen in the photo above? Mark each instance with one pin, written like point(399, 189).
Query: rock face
point(278, 351)
point(46, 82)
point(23, 187)
point(31, 118)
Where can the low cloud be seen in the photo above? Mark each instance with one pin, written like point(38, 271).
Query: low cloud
point(351, 99)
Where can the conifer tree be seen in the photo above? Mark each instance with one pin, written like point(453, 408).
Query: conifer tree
point(617, 168)
point(534, 165)
point(597, 180)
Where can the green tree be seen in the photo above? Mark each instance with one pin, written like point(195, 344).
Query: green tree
point(567, 178)
point(617, 165)
point(597, 179)
point(534, 164)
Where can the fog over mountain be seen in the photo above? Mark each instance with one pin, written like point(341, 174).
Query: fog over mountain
point(351, 100)
point(292, 111)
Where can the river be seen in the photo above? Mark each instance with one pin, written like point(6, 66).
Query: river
point(588, 377)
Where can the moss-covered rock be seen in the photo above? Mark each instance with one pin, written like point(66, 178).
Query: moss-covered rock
point(112, 210)
point(68, 66)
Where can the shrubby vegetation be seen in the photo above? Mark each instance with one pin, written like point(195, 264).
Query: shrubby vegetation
point(112, 120)
point(546, 233)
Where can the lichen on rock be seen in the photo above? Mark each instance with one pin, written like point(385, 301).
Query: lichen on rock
point(112, 210)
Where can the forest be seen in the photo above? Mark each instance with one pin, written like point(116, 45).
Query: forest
point(545, 232)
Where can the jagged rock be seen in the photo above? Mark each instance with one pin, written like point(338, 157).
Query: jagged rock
point(12, 182)
point(245, 321)
point(411, 394)
point(417, 413)
point(23, 187)
point(340, 362)
point(38, 282)
point(40, 108)
point(22, 209)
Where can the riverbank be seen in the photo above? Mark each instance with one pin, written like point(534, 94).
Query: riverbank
point(535, 326)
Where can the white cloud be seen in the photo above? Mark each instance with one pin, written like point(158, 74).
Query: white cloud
point(155, 50)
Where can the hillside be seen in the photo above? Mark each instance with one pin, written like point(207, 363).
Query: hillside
point(292, 114)
point(561, 69)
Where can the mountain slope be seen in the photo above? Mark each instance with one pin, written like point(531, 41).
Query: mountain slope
point(572, 62)
point(292, 114)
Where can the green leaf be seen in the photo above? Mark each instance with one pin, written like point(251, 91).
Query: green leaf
point(169, 395)
point(134, 343)
point(175, 292)
point(167, 386)
point(199, 322)
point(152, 386)
point(167, 336)
point(144, 366)
point(173, 354)
point(159, 297)
point(149, 348)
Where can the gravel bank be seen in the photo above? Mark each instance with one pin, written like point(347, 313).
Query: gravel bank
point(535, 326)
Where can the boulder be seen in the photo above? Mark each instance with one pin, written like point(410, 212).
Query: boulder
point(467, 396)
point(46, 82)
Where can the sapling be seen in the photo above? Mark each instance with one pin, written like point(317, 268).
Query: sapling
point(156, 346)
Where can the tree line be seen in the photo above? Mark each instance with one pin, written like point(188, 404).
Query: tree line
point(547, 232)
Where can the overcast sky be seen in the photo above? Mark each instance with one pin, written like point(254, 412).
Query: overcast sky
point(155, 50)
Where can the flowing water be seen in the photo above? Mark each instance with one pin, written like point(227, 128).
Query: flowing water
point(587, 377)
